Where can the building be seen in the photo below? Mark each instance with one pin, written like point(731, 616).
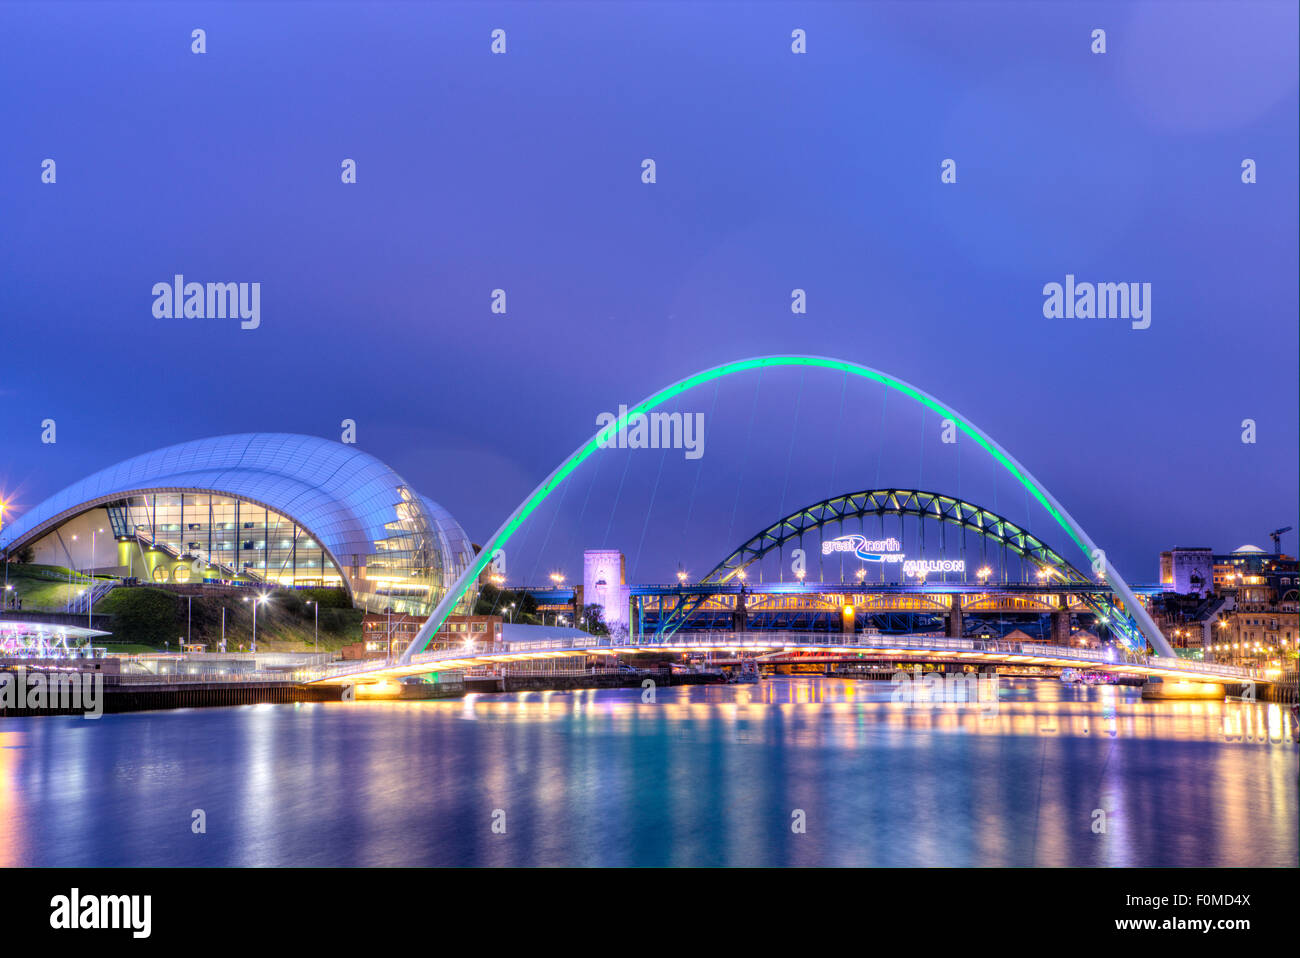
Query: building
point(384, 634)
point(1188, 571)
point(258, 509)
point(1257, 634)
point(1186, 619)
point(1247, 614)
point(1246, 560)
point(459, 630)
point(604, 583)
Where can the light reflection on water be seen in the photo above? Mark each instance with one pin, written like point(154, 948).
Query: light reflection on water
point(706, 775)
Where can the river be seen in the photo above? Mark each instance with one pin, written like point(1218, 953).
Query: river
point(800, 770)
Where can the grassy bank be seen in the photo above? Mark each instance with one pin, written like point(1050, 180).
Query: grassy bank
point(148, 616)
point(44, 588)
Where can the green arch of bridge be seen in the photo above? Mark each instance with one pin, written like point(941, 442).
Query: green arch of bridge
point(580, 455)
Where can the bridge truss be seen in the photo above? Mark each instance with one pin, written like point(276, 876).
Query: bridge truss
point(789, 531)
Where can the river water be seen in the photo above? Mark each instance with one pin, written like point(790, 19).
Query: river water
point(791, 771)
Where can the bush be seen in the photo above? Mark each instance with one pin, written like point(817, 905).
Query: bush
point(143, 616)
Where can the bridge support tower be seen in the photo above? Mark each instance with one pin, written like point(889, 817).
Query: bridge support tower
point(740, 616)
point(954, 616)
point(1061, 621)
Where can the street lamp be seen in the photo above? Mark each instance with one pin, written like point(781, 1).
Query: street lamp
point(71, 561)
point(93, 533)
point(256, 602)
point(557, 578)
point(316, 606)
point(681, 576)
point(511, 607)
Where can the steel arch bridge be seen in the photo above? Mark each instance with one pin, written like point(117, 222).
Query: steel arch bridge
point(1146, 626)
point(912, 503)
point(903, 503)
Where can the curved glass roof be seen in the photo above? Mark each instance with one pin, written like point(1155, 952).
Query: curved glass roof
point(455, 545)
point(362, 512)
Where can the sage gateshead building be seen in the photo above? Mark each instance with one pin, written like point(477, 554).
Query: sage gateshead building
point(267, 509)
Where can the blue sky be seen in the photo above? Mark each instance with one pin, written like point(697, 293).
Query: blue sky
point(775, 171)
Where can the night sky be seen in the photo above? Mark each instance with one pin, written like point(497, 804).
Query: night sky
point(775, 171)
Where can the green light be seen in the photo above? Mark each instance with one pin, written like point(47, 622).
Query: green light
point(727, 369)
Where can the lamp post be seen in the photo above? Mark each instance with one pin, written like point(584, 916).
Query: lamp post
point(316, 607)
point(3, 506)
point(91, 597)
point(258, 600)
point(68, 605)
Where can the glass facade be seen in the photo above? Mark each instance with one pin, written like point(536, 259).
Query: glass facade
point(233, 537)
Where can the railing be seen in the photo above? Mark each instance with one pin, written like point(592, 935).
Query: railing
point(1208, 668)
point(775, 641)
point(1105, 656)
point(179, 678)
point(508, 671)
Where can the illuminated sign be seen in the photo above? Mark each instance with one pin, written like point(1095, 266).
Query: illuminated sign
point(917, 566)
point(889, 550)
point(869, 550)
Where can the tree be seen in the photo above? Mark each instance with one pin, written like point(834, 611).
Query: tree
point(595, 616)
point(494, 601)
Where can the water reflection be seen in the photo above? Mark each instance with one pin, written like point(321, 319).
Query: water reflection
point(707, 775)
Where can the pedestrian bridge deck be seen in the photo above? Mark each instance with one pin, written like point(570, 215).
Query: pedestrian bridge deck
point(852, 647)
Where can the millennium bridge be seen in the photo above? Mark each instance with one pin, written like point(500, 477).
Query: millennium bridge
point(781, 648)
point(1105, 593)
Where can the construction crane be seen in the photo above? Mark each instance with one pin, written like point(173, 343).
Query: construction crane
point(1276, 536)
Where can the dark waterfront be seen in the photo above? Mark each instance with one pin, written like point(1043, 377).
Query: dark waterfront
point(707, 775)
